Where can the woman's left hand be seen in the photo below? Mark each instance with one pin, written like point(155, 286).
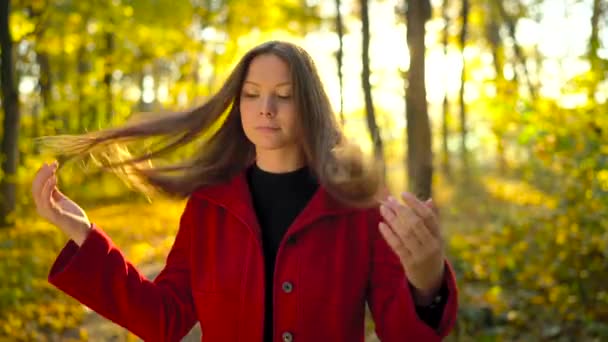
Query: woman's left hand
point(412, 231)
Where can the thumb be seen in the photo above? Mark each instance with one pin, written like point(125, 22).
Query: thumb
point(58, 195)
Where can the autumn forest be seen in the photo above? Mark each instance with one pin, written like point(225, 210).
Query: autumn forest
point(498, 110)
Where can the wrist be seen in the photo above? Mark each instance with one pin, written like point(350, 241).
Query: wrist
point(77, 229)
point(426, 294)
point(81, 233)
point(424, 297)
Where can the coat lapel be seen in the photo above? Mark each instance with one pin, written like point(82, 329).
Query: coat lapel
point(235, 197)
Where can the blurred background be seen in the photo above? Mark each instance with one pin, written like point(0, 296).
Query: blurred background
point(496, 109)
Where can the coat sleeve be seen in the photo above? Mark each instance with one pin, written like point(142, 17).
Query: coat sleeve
point(391, 302)
point(98, 275)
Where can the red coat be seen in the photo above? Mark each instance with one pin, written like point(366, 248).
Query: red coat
point(332, 260)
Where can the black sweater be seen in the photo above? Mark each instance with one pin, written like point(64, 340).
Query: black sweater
point(278, 198)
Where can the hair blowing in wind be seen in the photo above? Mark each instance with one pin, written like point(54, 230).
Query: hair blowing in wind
point(223, 149)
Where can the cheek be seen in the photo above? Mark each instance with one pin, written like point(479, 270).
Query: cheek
point(246, 121)
point(290, 118)
point(246, 114)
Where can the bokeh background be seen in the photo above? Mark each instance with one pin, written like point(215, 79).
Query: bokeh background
point(496, 109)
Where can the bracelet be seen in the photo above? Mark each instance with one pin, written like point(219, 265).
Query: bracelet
point(439, 299)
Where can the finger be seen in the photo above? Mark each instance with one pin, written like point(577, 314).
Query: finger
point(58, 195)
point(433, 206)
point(418, 206)
point(39, 188)
point(393, 241)
point(46, 191)
point(423, 235)
point(43, 203)
point(389, 215)
point(394, 220)
point(45, 171)
point(39, 180)
point(400, 211)
point(423, 211)
point(404, 213)
point(405, 217)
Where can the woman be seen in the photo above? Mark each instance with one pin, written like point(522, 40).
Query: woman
point(281, 238)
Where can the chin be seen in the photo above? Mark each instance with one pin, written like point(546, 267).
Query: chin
point(269, 142)
point(269, 145)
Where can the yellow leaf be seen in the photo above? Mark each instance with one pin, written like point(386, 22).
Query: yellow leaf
point(560, 238)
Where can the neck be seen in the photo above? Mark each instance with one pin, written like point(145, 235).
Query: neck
point(280, 161)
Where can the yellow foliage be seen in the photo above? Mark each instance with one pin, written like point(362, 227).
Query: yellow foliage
point(20, 25)
point(30, 307)
point(560, 237)
point(517, 192)
point(602, 178)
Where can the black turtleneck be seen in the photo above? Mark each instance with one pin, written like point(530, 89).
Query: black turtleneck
point(278, 198)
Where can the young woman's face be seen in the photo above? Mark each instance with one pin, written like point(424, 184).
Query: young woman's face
point(268, 111)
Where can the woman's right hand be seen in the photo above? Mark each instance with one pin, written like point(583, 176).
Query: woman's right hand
point(57, 208)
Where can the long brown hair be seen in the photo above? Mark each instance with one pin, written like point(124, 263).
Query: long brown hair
point(339, 166)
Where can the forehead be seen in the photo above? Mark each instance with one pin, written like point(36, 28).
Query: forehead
point(268, 69)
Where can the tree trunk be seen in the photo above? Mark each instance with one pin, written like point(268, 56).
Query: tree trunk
point(594, 44)
point(107, 79)
point(367, 89)
point(493, 37)
point(339, 56)
point(445, 160)
point(45, 85)
point(81, 76)
point(10, 105)
point(464, 153)
point(419, 151)
point(519, 55)
point(35, 129)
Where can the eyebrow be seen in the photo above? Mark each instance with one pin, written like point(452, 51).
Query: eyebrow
point(278, 85)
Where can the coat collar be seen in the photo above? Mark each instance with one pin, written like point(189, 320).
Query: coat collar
point(235, 197)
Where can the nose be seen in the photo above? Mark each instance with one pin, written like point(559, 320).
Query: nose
point(268, 107)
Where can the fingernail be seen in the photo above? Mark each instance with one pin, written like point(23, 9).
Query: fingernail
point(408, 194)
point(392, 199)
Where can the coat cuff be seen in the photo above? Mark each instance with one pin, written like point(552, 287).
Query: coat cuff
point(443, 324)
point(448, 318)
point(74, 263)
